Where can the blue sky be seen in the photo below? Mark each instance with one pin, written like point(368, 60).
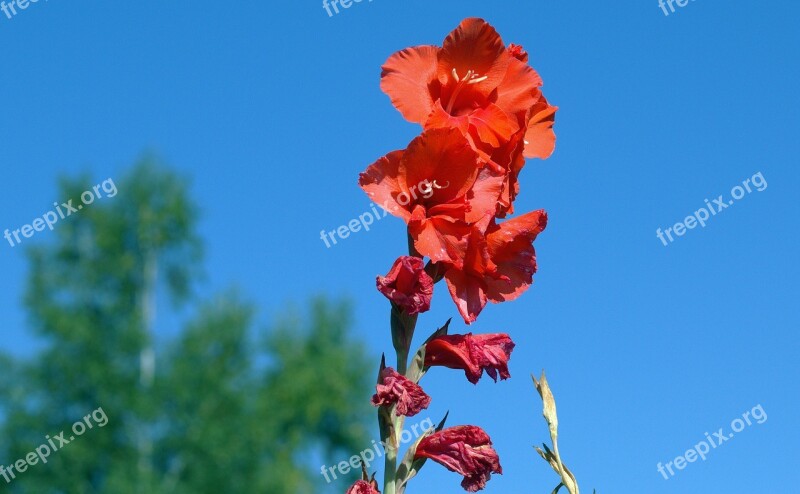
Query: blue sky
point(274, 108)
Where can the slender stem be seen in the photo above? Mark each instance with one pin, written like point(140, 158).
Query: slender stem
point(391, 425)
point(390, 465)
point(412, 250)
point(403, 327)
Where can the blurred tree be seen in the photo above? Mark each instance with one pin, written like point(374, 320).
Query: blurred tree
point(221, 409)
point(312, 385)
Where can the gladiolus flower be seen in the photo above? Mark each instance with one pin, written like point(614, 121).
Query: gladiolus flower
point(436, 186)
point(471, 353)
point(396, 388)
point(472, 83)
point(363, 487)
point(407, 285)
point(498, 265)
point(466, 450)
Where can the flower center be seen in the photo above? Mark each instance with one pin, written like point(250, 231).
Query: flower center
point(431, 186)
point(471, 77)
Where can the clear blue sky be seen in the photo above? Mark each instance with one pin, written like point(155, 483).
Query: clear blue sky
point(274, 108)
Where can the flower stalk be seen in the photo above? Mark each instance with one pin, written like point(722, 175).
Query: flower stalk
point(482, 114)
point(402, 326)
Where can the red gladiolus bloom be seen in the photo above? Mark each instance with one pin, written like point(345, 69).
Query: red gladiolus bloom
point(472, 83)
point(466, 450)
point(436, 186)
point(362, 487)
point(407, 285)
point(498, 265)
point(472, 353)
point(395, 388)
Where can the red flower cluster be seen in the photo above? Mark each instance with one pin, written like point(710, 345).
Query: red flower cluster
point(482, 113)
point(467, 450)
point(396, 388)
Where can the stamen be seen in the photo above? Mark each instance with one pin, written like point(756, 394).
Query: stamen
point(437, 186)
point(469, 78)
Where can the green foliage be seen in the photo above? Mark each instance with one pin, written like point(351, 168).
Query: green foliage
point(311, 388)
point(222, 407)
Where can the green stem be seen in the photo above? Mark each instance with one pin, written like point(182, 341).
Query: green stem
point(390, 465)
point(403, 326)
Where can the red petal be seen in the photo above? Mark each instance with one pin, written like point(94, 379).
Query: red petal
point(474, 45)
point(440, 238)
point(467, 292)
point(484, 195)
point(492, 125)
point(540, 140)
point(519, 90)
point(407, 285)
point(440, 119)
point(518, 52)
point(405, 78)
point(443, 156)
point(466, 450)
point(452, 351)
point(510, 159)
point(396, 389)
point(362, 487)
point(381, 184)
point(511, 249)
